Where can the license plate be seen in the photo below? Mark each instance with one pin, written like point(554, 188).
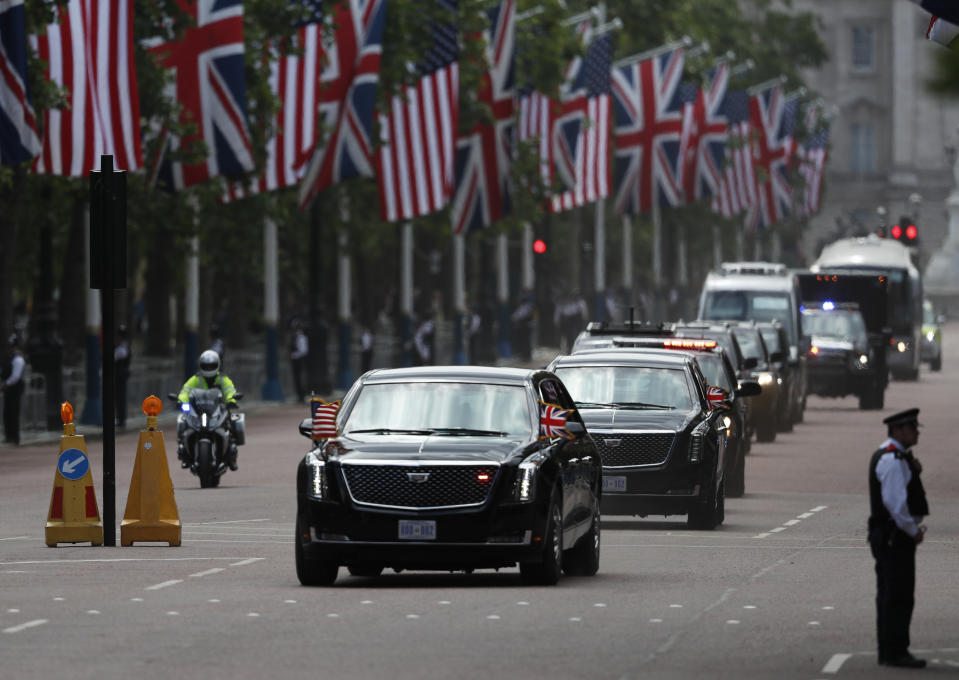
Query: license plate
point(614, 484)
point(417, 530)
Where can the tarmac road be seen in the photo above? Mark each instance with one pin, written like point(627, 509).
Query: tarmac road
point(784, 589)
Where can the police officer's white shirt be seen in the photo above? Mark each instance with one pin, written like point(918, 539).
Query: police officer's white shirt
point(17, 364)
point(301, 346)
point(121, 352)
point(894, 476)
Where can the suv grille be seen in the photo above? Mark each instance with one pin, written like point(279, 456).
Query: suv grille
point(650, 448)
point(445, 486)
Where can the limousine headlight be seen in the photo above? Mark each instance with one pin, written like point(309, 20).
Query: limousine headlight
point(524, 488)
point(316, 468)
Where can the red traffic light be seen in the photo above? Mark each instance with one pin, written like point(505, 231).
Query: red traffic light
point(539, 246)
point(896, 231)
point(912, 232)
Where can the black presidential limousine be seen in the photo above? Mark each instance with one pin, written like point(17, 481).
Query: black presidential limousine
point(445, 468)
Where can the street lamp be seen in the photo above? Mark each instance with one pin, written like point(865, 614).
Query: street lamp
point(881, 215)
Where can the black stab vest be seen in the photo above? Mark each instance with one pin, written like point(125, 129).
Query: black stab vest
point(915, 493)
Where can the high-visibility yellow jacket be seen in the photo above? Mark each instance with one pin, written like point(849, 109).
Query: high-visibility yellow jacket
point(199, 382)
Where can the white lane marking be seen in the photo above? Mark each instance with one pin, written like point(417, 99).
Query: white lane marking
point(835, 663)
point(213, 600)
point(16, 571)
point(230, 521)
point(791, 522)
point(200, 574)
point(173, 613)
point(243, 563)
point(777, 530)
point(675, 606)
point(732, 621)
point(290, 601)
point(13, 611)
point(762, 535)
point(600, 604)
point(412, 616)
point(122, 559)
point(805, 515)
point(655, 620)
point(252, 615)
point(443, 602)
point(523, 603)
point(59, 599)
point(13, 538)
point(136, 599)
point(828, 608)
point(814, 623)
point(332, 616)
point(165, 584)
point(575, 618)
point(493, 617)
point(749, 606)
point(24, 626)
point(366, 601)
point(93, 611)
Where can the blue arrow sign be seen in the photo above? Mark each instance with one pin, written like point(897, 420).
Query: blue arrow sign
point(73, 464)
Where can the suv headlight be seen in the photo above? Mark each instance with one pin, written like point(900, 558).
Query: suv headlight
point(696, 442)
point(316, 468)
point(524, 487)
point(765, 379)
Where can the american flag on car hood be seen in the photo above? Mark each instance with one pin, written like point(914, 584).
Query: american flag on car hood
point(324, 417)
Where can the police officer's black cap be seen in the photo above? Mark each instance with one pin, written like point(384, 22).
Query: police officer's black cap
point(908, 417)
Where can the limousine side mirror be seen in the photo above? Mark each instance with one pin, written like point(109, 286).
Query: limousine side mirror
point(750, 363)
point(575, 428)
point(306, 428)
point(748, 388)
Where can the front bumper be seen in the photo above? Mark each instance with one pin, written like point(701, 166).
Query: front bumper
point(490, 537)
point(654, 492)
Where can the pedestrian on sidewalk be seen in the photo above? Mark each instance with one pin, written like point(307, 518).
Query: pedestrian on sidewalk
point(11, 376)
point(299, 354)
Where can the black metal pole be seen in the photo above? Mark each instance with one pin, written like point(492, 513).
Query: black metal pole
point(108, 214)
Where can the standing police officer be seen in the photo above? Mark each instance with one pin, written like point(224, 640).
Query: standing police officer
point(897, 504)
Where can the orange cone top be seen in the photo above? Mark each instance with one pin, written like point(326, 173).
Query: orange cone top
point(152, 405)
point(66, 412)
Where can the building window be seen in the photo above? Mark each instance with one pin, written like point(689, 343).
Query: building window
point(862, 48)
point(862, 145)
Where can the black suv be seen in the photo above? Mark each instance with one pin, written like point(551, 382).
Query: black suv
point(661, 440)
point(765, 406)
point(777, 342)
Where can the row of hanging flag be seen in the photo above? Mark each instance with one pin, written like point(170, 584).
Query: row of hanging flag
point(668, 140)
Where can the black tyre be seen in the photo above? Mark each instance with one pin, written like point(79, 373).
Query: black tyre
point(583, 558)
point(204, 463)
point(312, 572)
point(936, 364)
point(546, 572)
point(366, 570)
point(766, 431)
point(737, 478)
point(709, 512)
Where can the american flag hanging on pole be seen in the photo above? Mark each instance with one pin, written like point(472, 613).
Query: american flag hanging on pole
point(648, 124)
point(581, 127)
point(703, 139)
point(812, 162)
point(89, 53)
point(18, 125)
point(324, 417)
point(414, 166)
point(737, 191)
point(211, 89)
point(484, 156)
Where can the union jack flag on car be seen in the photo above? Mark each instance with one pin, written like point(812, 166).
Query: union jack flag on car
point(552, 421)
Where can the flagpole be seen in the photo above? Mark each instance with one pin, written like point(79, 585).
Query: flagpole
point(344, 267)
point(503, 348)
point(742, 68)
point(272, 390)
point(685, 41)
point(459, 301)
point(406, 292)
point(599, 229)
point(765, 85)
point(657, 258)
point(628, 259)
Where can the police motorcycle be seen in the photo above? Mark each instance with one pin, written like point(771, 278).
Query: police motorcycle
point(208, 434)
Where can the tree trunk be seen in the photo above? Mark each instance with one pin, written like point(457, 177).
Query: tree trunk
point(157, 294)
point(73, 286)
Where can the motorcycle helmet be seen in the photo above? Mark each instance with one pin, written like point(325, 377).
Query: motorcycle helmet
point(209, 363)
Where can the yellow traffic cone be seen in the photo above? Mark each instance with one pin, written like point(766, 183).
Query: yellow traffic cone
point(151, 513)
point(73, 516)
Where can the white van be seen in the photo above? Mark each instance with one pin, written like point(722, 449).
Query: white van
point(761, 291)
